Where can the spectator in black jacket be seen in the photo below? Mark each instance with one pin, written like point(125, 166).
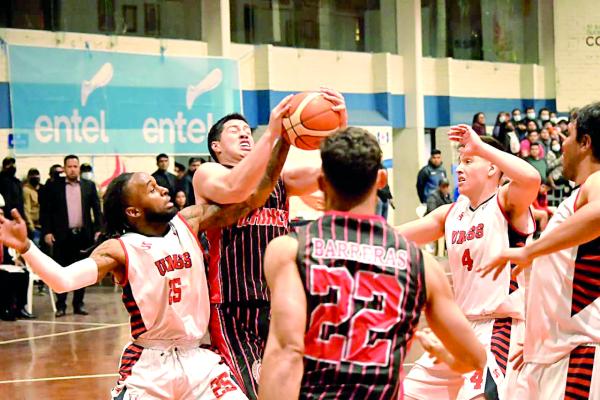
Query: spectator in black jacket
point(430, 175)
point(11, 188)
point(162, 176)
point(439, 197)
point(71, 220)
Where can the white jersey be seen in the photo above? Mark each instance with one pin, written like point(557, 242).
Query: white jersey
point(563, 300)
point(474, 236)
point(166, 293)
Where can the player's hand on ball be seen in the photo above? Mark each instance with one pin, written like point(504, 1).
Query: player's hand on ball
point(469, 141)
point(339, 104)
point(13, 233)
point(276, 117)
point(434, 346)
point(518, 256)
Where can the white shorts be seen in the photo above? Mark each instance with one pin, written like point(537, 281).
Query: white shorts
point(575, 376)
point(429, 381)
point(174, 373)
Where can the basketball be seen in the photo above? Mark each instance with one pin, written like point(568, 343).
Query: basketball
point(309, 120)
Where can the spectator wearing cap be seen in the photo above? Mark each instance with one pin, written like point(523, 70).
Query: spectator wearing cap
point(430, 175)
point(10, 187)
point(439, 197)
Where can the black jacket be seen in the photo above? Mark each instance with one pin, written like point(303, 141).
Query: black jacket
point(12, 191)
point(428, 180)
point(53, 209)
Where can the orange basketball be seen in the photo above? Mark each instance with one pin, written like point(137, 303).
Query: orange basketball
point(309, 120)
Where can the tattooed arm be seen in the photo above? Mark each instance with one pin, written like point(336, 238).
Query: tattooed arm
point(205, 216)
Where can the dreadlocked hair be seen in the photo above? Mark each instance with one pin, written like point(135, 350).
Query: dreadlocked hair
point(115, 221)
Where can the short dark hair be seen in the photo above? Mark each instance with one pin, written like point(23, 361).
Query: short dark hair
point(53, 168)
point(70, 157)
point(529, 108)
point(8, 161)
point(179, 166)
point(495, 143)
point(214, 135)
point(444, 182)
point(587, 122)
point(193, 160)
point(351, 158)
point(85, 167)
point(535, 144)
point(435, 152)
point(515, 109)
point(543, 109)
point(115, 202)
point(33, 172)
point(161, 155)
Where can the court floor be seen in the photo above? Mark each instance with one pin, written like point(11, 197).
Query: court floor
point(73, 357)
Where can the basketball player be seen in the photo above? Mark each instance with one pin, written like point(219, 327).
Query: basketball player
point(238, 290)
point(483, 221)
point(347, 291)
point(156, 257)
point(562, 339)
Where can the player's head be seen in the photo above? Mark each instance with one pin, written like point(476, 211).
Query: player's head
point(230, 139)
point(476, 173)
point(133, 200)
point(351, 175)
point(583, 141)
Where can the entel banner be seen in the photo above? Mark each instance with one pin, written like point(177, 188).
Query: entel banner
point(95, 102)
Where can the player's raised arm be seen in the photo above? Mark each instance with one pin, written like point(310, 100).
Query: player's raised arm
point(448, 322)
point(426, 229)
point(215, 183)
point(581, 227)
point(204, 216)
point(516, 196)
point(282, 366)
point(108, 257)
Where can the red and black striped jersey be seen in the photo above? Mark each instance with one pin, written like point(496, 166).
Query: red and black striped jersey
point(365, 289)
point(235, 272)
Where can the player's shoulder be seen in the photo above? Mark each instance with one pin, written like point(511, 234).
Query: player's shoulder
point(589, 190)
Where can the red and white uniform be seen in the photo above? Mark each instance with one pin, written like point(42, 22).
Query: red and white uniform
point(563, 321)
point(166, 295)
point(496, 309)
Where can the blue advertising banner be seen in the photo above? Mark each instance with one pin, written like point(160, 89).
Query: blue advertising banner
point(94, 102)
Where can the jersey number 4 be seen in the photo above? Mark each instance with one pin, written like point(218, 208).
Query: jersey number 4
point(355, 346)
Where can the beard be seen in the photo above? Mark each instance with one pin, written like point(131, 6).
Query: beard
point(161, 217)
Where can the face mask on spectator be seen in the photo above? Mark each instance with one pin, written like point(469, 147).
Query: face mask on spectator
point(87, 175)
point(554, 120)
point(502, 119)
point(556, 148)
point(531, 115)
point(545, 117)
point(517, 117)
point(34, 181)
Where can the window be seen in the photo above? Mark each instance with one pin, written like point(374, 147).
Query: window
point(353, 25)
point(177, 19)
point(490, 30)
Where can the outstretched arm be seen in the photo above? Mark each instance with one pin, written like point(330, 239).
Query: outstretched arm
point(516, 196)
point(282, 363)
point(214, 183)
point(426, 229)
point(205, 216)
point(108, 257)
point(447, 321)
point(581, 227)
